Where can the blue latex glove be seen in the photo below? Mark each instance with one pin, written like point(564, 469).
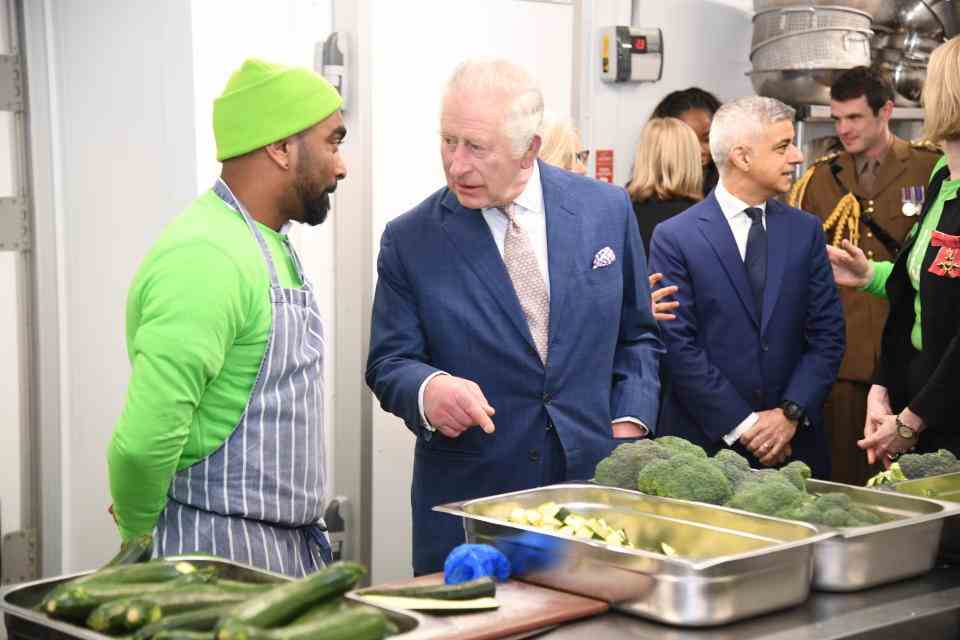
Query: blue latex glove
point(471, 561)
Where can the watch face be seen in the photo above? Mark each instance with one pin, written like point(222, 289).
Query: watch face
point(905, 432)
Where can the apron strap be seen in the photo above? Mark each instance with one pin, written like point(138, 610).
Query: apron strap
point(223, 191)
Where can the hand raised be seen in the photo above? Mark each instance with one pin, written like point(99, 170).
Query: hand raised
point(453, 405)
point(850, 265)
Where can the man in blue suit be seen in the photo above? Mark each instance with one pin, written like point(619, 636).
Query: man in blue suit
point(759, 333)
point(515, 300)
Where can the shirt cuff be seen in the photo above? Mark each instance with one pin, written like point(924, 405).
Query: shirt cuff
point(742, 428)
point(643, 428)
point(878, 285)
point(423, 386)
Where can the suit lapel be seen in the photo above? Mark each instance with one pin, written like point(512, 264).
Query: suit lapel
point(778, 239)
point(715, 228)
point(470, 234)
point(563, 241)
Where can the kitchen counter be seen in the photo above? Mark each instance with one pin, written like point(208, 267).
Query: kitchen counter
point(927, 608)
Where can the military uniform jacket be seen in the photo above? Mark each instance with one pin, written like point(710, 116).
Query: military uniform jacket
point(905, 165)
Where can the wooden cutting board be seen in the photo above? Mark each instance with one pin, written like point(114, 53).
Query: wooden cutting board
point(523, 608)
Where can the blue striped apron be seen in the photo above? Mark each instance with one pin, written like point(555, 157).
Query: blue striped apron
point(258, 498)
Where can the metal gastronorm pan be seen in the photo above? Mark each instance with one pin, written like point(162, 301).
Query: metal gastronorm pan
point(24, 623)
point(945, 488)
point(730, 564)
point(862, 557)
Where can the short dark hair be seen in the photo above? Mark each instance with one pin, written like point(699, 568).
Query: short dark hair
point(676, 103)
point(862, 81)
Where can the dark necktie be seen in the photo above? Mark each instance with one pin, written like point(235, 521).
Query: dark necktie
point(756, 257)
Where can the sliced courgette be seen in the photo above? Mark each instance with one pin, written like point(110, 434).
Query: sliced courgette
point(483, 587)
point(285, 602)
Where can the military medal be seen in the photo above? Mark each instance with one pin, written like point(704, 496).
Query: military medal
point(912, 198)
point(947, 262)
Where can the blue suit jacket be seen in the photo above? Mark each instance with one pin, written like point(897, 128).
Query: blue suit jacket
point(444, 301)
point(724, 358)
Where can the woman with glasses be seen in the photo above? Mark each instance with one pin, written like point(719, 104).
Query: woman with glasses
point(560, 145)
point(666, 173)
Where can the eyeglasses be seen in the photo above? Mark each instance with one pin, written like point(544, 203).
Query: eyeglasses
point(583, 156)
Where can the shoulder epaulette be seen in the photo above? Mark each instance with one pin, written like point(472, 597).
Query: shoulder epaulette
point(926, 145)
point(830, 157)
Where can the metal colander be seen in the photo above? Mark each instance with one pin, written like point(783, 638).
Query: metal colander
point(780, 22)
point(814, 49)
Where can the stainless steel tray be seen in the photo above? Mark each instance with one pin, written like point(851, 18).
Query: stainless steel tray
point(945, 488)
point(731, 564)
point(862, 557)
point(24, 623)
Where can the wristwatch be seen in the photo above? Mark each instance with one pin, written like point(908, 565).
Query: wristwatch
point(795, 413)
point(904, 431)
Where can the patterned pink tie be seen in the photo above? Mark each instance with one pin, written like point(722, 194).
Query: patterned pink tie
point(528, 282)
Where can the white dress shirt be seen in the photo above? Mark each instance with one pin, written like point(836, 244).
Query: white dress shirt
point(530, 214)
point(734, 210)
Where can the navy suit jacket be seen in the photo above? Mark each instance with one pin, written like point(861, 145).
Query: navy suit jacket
point(725, 358)
point(444, 302)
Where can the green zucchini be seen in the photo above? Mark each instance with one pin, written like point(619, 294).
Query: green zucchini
point(286, 601)
point(76, 603)
point(132, 551)
point(483, 587)
point(236, 586)
point(198, 597)
point(182, 634)
point(357, 623)
point(147, 572)
point(122, 615)
point(199, 620)
point(322, 610)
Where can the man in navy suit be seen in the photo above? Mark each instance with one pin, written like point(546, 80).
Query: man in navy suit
point(759, 333)
point(515, 299)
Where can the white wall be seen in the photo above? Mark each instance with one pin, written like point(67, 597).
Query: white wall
point(706, 44)
point(127, 158)
point(415, 48)
point(11, 336)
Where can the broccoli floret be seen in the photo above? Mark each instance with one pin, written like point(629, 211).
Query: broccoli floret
point(685, 476)
point(797, 473)
point(833, 501)
point(863, 517)
point(835, 517)
point(924, 465)
point(884, 479)
point(621, 467)
point(769, 495)
point(805, 511)
point(680, 445)
point(733, 465)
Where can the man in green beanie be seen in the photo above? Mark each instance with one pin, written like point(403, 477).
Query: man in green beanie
point(220, 445)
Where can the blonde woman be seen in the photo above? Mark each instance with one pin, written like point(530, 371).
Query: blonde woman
point(560, 144)
point(913, 403)
point(667, 173)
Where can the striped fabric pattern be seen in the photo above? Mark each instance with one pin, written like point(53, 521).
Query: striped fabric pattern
point(258, 499)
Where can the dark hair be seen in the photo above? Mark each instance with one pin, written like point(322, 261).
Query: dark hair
point(676, 103)
point(862, 81)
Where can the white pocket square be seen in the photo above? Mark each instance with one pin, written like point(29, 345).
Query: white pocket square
point(604, 258)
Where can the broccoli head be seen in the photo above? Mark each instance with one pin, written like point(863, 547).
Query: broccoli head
point(924, 465)
point(769, 495)
point(733, 465)
point(680, 445)
point(621, 467)
point(831, 509)
point(797, 473)
point(685, 476)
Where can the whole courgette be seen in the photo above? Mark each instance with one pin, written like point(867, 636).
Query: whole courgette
point(322, 610)
point(237, 586)
point(357, 623)
point(76, 603)
point(125, 614)
point(200, 620)
point(138, 549)
point(483, 587)
point(148, 572)
point(181, 634)
point(285, 602)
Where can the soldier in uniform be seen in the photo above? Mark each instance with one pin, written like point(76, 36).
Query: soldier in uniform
point(869, 193)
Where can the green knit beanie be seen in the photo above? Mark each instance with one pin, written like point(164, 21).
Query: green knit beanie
point(265, 102)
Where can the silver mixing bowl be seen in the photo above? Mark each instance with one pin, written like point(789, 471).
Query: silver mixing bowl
point(795, 87)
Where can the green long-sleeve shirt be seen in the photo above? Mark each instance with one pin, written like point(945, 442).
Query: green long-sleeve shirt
point(198, 318)
point(881, 270)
